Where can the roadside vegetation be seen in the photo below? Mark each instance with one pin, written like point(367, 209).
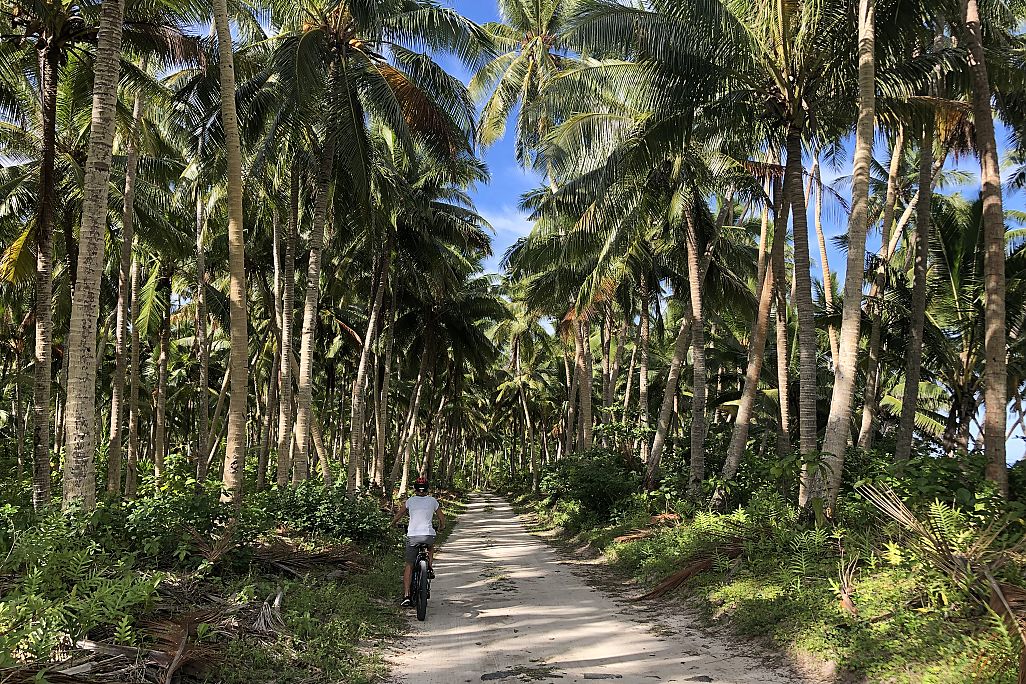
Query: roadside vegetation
point(296, 586)
point(863, 593)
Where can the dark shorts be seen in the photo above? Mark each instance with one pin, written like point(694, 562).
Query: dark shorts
point(411, 546)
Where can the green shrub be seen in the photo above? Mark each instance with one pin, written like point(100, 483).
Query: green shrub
point(599, 480)
point(311, 508)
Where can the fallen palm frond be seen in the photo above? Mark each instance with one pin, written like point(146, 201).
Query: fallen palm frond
point(270, 621)
point(661, 520)
point(289, 557)
point(215, 548)
point(664, 519)
point(80, 670)
point(971, 558)
point(846, 585)
point(635, 535)
point(691, 568)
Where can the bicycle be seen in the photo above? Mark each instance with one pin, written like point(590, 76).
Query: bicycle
point(420, 584)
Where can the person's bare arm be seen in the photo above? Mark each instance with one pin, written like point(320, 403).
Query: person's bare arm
point(399, 514)
point(441, 517)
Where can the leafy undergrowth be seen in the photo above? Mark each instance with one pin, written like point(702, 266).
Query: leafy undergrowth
point(298, 586)
point(855, 593)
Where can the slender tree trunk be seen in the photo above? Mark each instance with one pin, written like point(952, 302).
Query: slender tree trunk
point(871, 401)
point(235, 452)
point(757, 350)
point(617, 363)
point(124, 314)
point(304, 400)
point(359, 401)
point(288, 285)
point(607, 362)
point(80, 466)
point(631, 367)
point(645, 333)
point(783, 354)
point(212, 436)
point(203, 347)
point(698, 403)
point(270, 420)
point(160, 404)
point(828, 278)
point(132, 462)
point(584, 370)
point(381, 416)
point(764, 252)
point(49, 66)
point(402, 460)
point(573, 377)
point(807, 344)
point(838, 431)
point(995, 344)
point(680, 350)
point(921, 250)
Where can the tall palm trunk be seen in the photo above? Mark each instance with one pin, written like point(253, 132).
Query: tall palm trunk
point(384, 393)
point(584, 374)
point(235, 449)
point(270, 419)
point(643, 342)
point(80, 425)
point(783, 355)
point(680, 350)
point(757, 351)
point(698, 402)
point(49, 66)
point(202, 346)
point(870, 400)
point(572, 381)
point(359, 403)
point(288, 287)
point(838, 430)
point(160, 446)
point(995, 345)
point(607, 349)
point(807, 344)
point(617, 363)
point(304, 399)
point(921, 247)
point(824, 258)
point(117, 402)
point(402, 461)
point(132, 461)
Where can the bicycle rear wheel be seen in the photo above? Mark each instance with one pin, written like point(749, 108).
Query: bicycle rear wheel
point(422, 590)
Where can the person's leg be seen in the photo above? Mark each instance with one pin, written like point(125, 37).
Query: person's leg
point(407, 578)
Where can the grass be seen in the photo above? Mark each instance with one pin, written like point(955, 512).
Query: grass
point(336, 629)
point(911, 627)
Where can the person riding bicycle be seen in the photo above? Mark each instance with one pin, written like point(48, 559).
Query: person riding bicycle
point(422, 508)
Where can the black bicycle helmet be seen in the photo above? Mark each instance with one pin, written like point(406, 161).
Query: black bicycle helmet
point(421, 485)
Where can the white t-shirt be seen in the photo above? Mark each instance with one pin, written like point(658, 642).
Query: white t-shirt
point(422, 510)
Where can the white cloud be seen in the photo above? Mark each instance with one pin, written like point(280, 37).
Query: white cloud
point(507, 222)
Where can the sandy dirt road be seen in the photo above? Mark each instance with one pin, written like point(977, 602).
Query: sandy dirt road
point(506, 607)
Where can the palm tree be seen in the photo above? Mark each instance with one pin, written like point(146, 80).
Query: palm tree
point(996, 403)
point(80, 471)
point(846, 363)
point(532, 38)
point(235, 453)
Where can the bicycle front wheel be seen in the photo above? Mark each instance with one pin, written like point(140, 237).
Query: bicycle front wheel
point(422, 590)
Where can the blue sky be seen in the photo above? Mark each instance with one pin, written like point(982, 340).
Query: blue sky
point(498, 200)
